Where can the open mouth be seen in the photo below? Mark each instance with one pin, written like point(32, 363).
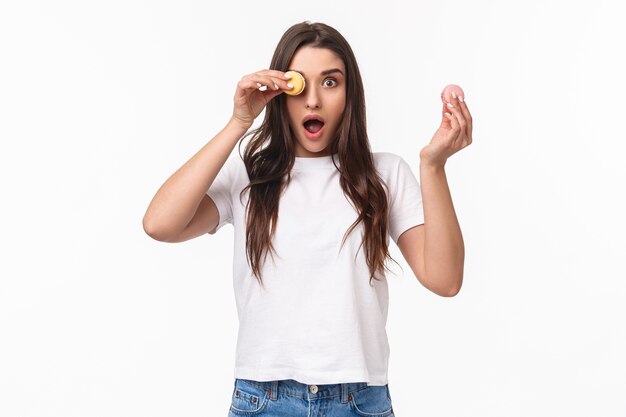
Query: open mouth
point(313, 126)
point(313, 123)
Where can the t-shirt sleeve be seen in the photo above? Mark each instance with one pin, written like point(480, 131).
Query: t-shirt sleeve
point(406, 208)
point(221, 192)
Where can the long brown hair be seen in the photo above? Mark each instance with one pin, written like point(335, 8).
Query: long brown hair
point(270, 155)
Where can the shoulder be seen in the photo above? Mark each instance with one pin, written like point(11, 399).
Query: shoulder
point(233, 173)
point(388, 163)
point(235, 165)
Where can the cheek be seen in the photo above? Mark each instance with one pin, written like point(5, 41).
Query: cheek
point(340, 107)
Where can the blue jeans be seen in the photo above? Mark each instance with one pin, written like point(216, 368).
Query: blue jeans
point(289, 398)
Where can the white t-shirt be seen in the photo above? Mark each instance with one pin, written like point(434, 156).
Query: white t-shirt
point(318, 320)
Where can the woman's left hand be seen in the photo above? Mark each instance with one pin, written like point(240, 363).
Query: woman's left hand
point(454, 134)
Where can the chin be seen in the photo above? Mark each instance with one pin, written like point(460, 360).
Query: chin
point(316, 147)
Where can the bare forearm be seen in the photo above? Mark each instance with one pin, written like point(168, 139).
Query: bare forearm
point(444, 251)
point(177, 200)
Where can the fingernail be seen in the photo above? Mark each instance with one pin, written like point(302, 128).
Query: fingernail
point(289, 85)
point(449, 105)
point(453, 94)
point(287, 76)
point(461, 99)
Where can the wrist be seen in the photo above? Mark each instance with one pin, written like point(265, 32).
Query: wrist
point(431, 166)
point(235, 123)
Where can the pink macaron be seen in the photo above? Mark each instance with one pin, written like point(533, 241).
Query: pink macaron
point(446, 94)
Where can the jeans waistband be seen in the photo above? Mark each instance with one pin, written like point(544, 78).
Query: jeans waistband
point(307, 391)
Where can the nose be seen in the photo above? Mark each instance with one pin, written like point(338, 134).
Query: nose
point(312, 98)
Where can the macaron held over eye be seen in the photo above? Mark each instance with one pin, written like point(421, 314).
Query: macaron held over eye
point(297, 80)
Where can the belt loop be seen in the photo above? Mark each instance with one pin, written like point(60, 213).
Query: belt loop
point(344, 393)
point(274, 389)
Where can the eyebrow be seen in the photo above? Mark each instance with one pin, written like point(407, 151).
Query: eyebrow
point(325, 72)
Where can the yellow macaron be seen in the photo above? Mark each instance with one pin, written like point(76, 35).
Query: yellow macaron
point(297, 80)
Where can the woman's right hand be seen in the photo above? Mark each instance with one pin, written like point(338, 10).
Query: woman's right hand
point(249, 101)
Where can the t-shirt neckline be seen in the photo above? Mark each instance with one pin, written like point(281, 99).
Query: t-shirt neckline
point(317, 162)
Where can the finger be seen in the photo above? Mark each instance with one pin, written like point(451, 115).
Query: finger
point(446, 121)
point(280, 83)
point(469, 123)
point(261, 80)
point(278, 78)
point(273, 73)
point(456, 135)
point(284, 84)
point(450, 117)
point(243, 87)
point(270, 94)
point(454, 108)
point(454, 123)
point(250, 82)
point(467, 116)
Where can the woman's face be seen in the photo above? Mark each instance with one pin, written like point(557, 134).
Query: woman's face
point(324, 95)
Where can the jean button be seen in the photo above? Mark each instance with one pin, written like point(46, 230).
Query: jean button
point(313, 389)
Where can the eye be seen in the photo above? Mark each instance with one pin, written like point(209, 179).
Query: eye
point(330, 79)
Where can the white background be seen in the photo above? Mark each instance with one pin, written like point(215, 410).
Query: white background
point(100, 102)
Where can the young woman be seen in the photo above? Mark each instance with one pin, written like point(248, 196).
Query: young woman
point(309, 193)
